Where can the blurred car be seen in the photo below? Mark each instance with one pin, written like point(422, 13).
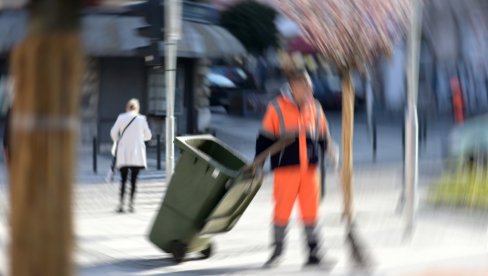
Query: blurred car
point(328, 89)
point(467, 143)
point(224, 80)
point(220, 86)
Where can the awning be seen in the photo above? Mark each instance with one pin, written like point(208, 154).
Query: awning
point(116, 35)
point(108, 35)
point(102, 35)
point(206, 40)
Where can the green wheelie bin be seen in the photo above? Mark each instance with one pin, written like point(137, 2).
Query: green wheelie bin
point(206, 195)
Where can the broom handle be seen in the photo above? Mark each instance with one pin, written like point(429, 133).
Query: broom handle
point(347, 144)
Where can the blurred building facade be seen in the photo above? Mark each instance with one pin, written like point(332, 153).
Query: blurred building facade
point(454, 45)
point(117, 71)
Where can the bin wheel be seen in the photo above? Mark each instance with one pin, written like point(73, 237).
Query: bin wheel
point(207, 252)
point(178, 250)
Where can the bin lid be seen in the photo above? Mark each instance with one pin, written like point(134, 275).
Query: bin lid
point(184, 143)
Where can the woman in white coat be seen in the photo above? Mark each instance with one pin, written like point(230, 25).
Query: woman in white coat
point(129, 133)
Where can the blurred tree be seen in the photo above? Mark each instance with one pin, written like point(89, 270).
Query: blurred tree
point(253, 24)
point(350, 34)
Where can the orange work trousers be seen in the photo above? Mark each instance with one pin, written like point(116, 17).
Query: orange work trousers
point(290, 183)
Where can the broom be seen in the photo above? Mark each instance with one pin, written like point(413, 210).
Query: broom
point(356, 245)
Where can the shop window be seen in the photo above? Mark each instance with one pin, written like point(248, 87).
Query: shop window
point(157, 92)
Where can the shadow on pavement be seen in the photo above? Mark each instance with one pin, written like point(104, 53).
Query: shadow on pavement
point(128, 266)
point(134, 266)
point(238, 270)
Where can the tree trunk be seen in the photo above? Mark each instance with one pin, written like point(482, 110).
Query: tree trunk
point(347, 141)
point(47, 69)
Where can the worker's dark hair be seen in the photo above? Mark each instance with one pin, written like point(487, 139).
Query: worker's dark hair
point(295, 74)
point(291, 70)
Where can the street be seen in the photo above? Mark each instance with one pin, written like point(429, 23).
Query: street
point(116, 244)
point(403, 86)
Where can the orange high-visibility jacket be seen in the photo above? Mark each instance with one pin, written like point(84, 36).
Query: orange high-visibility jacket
point(307, 123)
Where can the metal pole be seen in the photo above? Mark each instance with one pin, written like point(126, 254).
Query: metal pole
point(158, 151)
point(173, 18)
point(375, 139)
point(411, 132)
point(370, 111)
point(401, 201)
point(95, 170)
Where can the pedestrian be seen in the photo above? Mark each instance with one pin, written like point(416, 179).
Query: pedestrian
point(129, 133)
point(457, 100)
point(295, 112)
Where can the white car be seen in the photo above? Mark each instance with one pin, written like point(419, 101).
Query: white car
point(219, 81)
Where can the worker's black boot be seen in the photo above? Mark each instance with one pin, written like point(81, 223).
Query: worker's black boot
point(313, 254)
point(314, 257)
point(279, 237)
point(276, 256)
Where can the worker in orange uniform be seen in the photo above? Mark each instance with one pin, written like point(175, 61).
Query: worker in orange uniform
point(457, 99)
point(295, 112)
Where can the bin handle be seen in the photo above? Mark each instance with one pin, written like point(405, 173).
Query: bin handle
point(249, 186)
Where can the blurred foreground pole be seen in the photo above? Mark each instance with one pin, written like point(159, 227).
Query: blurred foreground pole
point(172, 31)
point(411, 120)
point(46, 66)
point(370, 116)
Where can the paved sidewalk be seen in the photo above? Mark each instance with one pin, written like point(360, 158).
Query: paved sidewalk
point(441, 238)
point(113, 244)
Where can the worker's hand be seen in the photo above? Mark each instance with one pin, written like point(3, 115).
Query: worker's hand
point(333, 154)
point(249, 169)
